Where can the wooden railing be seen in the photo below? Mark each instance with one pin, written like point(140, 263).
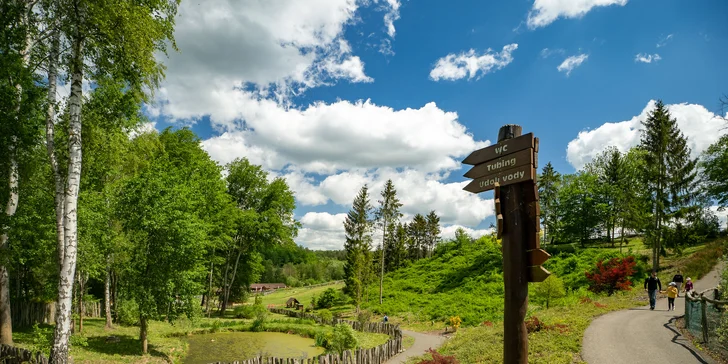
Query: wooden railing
point(700, 297)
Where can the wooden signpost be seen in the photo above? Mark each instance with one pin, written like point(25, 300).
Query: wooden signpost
point(510, 168)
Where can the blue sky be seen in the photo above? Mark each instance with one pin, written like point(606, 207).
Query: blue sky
point(331, 94)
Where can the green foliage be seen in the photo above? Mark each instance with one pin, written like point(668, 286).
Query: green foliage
point(341, 338)
point(127, 311)
point(327, 299)
point(715, 170)
point(249, 311)
point(358, 227)
point(549, 290)
point(364, 316)
point(325, 315)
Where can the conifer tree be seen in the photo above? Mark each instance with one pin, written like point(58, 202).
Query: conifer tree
point(358, 227)
point(432, 230)
point(387, 214)
point(547, 189)
point(669, 173)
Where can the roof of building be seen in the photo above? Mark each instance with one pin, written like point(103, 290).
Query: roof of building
point(268, 285)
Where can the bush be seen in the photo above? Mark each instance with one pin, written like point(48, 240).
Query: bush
point(612, 276)
point(326, 315)
point(336, 341)
point(364, 316)
point(128, 312)
point(327, 299)
point(438, 358)
point(249, 311)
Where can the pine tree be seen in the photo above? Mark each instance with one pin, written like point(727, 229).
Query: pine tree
point(358, 227)
point(609, 167)
point(417, 230)
point(669, 173)
point(547, 189)
point(432, 230)
point(398, 253)
point(386, 215)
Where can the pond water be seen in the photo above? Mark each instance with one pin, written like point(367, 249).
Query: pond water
point(230, 346)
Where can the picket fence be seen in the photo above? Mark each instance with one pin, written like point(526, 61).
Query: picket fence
point(26, 314)
point(12, 355)
point(376, 355)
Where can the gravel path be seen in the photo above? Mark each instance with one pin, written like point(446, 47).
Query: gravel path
point(640, 335)
point(423, 342)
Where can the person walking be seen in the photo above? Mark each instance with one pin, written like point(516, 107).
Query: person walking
point(688, 286)
point(678, 279)
point(671, 294)
point(652, 284)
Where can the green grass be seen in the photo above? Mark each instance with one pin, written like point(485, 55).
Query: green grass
point(167, 342)
point(561, 340)
point(302, 294)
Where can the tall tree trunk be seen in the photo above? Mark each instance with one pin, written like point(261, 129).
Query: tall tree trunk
point(107, 297)
point(143, 333)
point(209, 290)
point(59, 350)
point(223, 299)
point(50, 144)
point(230, 282)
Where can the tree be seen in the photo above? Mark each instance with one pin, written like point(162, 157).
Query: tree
point(164, 212)
point(398, 244)
point(610, 171)
point(116, 40)
point(550, 289)
point(432, 231)
point(19, 100)
point(669, 173)
point(548, 183)
point(417, 229)
point(358, 226)
point(386, 216)
point(715, 171)
point(579, 206)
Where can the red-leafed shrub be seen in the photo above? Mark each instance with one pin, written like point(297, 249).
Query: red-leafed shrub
point(487, 323)
point(438, 358)
point(612, 275)
point(533, 324)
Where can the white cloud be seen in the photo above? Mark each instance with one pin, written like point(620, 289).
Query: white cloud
point(448, 232)
point(326, 138)
point(322, 231)
point(722, 216)
point(700, 126)
point(545, 12)
point(663, 41)
point(472, 64)
point(548, 52)
point(391, 16)
point(142, 129)
point(647, 58)
point(572, 62)
point(281, 47)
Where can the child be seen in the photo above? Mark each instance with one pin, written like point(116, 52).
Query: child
point(688, 285)
point(671, 294)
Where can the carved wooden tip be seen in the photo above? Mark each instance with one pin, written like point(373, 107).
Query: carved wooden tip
point(509, 131)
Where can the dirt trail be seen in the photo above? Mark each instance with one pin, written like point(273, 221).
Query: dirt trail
point(640, 335)
point(423, 342)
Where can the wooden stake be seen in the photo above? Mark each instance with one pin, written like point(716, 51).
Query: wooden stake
point(515, 275)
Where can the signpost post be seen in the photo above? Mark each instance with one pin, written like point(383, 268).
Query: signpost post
point(509, 168)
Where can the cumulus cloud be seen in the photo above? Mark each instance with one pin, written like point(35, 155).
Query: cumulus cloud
point(472, 64)
point(278, 46)
point(700, 126)
point(572, 62)
point(326, 138)
point(142, 129)
point(647, 58)
point(448, 232)
point(545, 12)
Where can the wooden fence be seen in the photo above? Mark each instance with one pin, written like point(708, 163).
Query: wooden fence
point(376, 355)
point(706, 326)
point(12, 355)
point(26, 314)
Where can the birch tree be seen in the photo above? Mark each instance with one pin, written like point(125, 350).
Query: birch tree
point(104, 39)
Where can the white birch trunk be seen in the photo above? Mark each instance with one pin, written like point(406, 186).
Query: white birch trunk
point(50, 143)
point(59, 350)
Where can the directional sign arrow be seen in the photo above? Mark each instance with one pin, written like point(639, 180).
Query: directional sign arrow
point(505, 147)
point(517, 159)
point(537, 273)
point(504, 178)
point(537, 257)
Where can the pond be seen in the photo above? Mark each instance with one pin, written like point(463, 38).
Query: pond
point(231, 346)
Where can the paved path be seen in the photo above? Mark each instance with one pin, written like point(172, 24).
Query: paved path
point(423, 342)
point(642, 336)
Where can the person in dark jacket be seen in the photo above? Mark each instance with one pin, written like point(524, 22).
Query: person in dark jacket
point(678, 279)
point(652, 285)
